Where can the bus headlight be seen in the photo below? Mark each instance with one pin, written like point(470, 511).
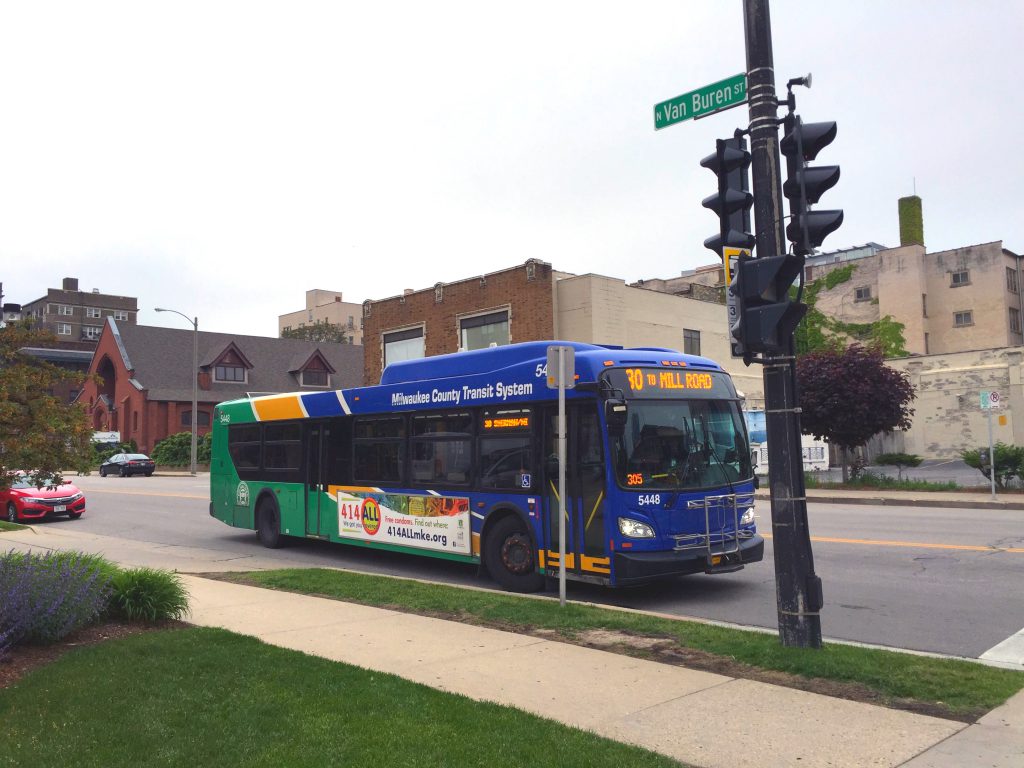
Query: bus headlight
point(634, 529)
point(748, 517)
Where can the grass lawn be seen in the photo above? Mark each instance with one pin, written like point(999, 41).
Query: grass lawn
point(6, 526)
point(206, 697)
point(960, 689)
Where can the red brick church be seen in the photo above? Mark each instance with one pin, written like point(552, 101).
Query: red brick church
point(145, 376)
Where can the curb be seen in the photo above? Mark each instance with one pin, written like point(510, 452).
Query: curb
point(884, 501)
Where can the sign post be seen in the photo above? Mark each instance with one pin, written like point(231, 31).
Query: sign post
point(561, 376)
point(990, 399)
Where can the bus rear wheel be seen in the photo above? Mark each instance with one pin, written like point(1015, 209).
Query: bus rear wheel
point(268, 526)
point(510, 557)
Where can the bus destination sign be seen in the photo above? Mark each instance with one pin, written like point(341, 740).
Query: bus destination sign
point(640, 379)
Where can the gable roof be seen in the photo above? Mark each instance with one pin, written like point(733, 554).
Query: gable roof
point(162, 360)
point(215, 355)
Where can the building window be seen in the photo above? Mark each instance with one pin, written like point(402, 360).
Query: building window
point(91, 332)
point(286, 329)
point(315, 378)
point(924, 305)
point(202, 419)
point(961, 277)
point(483, 331)
point(64, 309)
point(863, 293)
point(120, 314)
point(403, 345)
point(691, 342)
point(1012, 285)
point(961, 319)
point(63, 329)
point(808, 274)
point(1014, 319)
point(92, 311)
point(231, 373)
point(926, 343)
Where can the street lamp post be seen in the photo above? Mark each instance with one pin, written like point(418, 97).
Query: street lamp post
point(195, 381)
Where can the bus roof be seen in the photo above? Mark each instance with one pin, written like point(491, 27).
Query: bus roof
point(496, 376)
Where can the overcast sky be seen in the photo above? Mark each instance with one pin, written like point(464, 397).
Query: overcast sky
point(222, 158)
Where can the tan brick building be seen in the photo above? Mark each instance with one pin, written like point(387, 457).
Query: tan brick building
point(324, 306)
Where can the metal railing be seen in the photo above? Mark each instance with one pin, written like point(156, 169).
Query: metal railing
point(721, 541)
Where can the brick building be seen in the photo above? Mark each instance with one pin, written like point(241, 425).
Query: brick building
point(74, 315)
point(503, 307)
point(146, 376)
point(533, 302)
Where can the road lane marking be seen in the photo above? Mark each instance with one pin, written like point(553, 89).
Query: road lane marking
point(1010, 651)
point(149, 493)
point(911, 544)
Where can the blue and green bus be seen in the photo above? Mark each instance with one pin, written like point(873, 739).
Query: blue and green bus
point(455, 457)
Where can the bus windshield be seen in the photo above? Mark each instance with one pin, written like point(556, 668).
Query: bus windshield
point(682, 444)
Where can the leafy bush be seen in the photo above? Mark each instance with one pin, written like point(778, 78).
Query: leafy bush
point(176, 450)
point(105, 450)
point(44, 598)
point(1009, 462)
point(898, 460)
point(145, 594)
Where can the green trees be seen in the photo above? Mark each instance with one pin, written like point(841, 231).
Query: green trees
point(1009, 461)
point(176, 450)
point(320, 331)
point(38, 432)
point(898, 460)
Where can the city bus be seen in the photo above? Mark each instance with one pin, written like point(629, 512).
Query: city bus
point(455, 457)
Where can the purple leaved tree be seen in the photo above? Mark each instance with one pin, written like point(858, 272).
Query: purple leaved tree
point(849, 396)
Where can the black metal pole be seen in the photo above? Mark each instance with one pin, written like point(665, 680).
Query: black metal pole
point(797, 588)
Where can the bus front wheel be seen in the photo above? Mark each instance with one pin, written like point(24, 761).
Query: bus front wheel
point(510, 557)
point(268, 526)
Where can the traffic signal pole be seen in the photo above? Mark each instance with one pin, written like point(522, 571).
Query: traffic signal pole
point(797, 588)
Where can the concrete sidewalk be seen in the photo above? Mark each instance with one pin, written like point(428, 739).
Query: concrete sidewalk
point(700, 718)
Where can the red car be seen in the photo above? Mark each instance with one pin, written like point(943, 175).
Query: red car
point(23, 501)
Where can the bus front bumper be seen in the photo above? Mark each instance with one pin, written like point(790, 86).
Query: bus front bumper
point(638, 567)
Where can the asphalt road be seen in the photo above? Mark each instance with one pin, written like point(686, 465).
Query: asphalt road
point(941, 580)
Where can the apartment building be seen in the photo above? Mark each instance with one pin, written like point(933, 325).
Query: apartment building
point(950, 301)
point(324, 306)
point(73, 315)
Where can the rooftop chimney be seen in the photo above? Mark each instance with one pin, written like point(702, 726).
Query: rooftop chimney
point(70, 284)
point(911, 221)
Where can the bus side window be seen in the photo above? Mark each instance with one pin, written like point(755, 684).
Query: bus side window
point(378, 450)
point(338, 444)
point(244, 449)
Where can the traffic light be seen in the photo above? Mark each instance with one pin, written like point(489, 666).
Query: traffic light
point(733, 200)
point(806, 184)
point(766, 316)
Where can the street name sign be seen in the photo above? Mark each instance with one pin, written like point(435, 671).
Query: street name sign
point(711, 98)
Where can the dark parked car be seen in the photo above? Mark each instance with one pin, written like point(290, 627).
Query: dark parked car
point(125, 464)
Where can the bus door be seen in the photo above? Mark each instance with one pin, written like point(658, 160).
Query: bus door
point(316, 442)
point(585, 503)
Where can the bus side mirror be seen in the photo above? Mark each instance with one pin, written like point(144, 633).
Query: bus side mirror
point(615, 414)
